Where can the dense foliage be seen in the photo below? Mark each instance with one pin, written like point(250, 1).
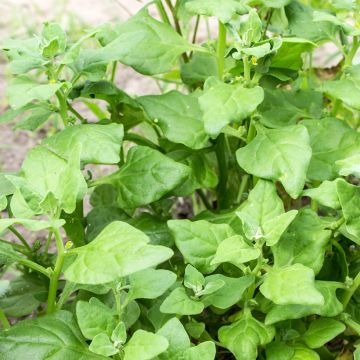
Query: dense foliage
point(226, 222)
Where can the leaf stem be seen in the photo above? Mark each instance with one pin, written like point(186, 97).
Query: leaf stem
point(54, 277)
point(113, 71)
point(354, 48)
point(138, 139)
point(243, 184)
point(204, 199)
point(223, 171)
point(19, 248)
point(247, 69)
point(4, 321)
point(76, 113)
point(221, 47)
point(33, 265)
point(20, 237)
point(62, 107)
point(350, 292)
point(163, 14)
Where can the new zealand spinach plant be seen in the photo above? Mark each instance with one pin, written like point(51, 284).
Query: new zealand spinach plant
point(227, 222)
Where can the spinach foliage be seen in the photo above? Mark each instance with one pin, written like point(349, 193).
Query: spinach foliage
point(261, 144)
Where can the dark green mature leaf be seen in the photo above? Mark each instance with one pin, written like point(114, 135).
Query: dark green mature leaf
point(283, 108)
point(22, 296)
point(291, 285)
point(281, 154)
point(147, 176)
point(147, 45)
point(331, 140)
point(322, 331)
point(53, 336)
point(332, 306)
point(118, 251)
point(198, 241)
point(179, 117)
point(223, 104)
point(349, 196)
point(144, 345)
point(279, 351)
point(23, 90)
point(224, 11)
point(244, 336)
point(107, 138)
point(304, 242)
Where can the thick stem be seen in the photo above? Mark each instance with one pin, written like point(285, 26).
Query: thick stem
point(350, 292)
point(20, 237)
point(223, 171)
point(54, 277)
point(62, 107)
point(221, 47)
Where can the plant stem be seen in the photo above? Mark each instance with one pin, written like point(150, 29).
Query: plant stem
point(247, 68)
point(350, 292)
point(164, 16)
point(16, 247)
point(62, 107)
point(48, 242)
point(250, 136)
point(20, 237)
point(196, 28)
point(314, 205)
point(69, 288)
point(138, 139)
point(354, 48)
point(221, 47)
point(244, 182)
point(352, 324)
point(113, 71)
point(33, 265)
point(54, 277)
point(204, 199)
point(76, 113)
point(223, 171)
point(4, 321)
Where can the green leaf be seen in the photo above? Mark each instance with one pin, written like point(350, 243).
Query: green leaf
point(144, 345)
point(179, 117)
point(178, 302)
point(322, 331)
point(281, 154)
point(178, 339)
point(346, 90)
point(107, 137)
point(263, 214)
point(304, 242)
point(303, 353)
point(276, 3)
point(293, 284)
point(193, 279)
point(119, 250)
point(22, 296)
point(230, 293)
point(224, 11)
point(349, 166)
point(331, 140)
point(325, 194)
point(244, 336)
point(102, 345)
point(332, 306)
point(198, 241)
point(147, 176)
point(283, 107)
point(235, 250)
point(38, 116)
point(150, 283)
point(349, 196)
point(51, 334)
point(203, 351)
point(251, 28)
point(94, 318)
point(279, 351)
point(32, 225)
point(23, 90)
point(223, 104)
point(119, 333)
point(53, 40)
point(149, 46)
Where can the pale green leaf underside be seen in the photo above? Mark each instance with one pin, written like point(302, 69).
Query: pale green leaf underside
point(118, 251)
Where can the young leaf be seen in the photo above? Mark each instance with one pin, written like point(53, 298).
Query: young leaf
point(149, 46)
point(281, 154)
point(251, 28)
point(53, 40)
point(322, 331)
point(179, 117)
point(204, 351)
point(224, 11)
point(291, 285)
point(235, 250)
point(349, 196)
point(94, 318)
point(119, 250)
point(150, 283)
point(193, 279)
point(144, 345)
point(147, 176)
point(102, 345)
point(223, 104)
point(304, 242)
point(119, 334)
point(107, 137)
point(198, 241)
point(52, 334)
point(230, 293)
point(23, 90)
point(244, 336)
point(178, 302)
